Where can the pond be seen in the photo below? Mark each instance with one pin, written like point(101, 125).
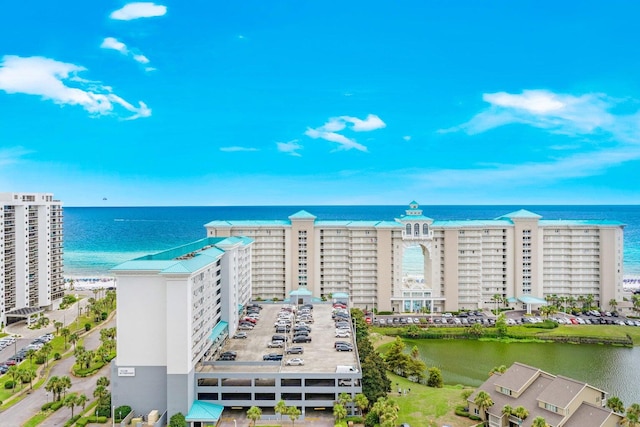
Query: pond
point(612, 369)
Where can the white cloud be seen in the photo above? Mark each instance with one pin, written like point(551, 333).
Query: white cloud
point(235, 148)
point(138, 10)
point(117, 45)
point(58, 82)
point(12, 155)
point(559, 113)
point(290, 147)
point(372, 122)
point(329, 130)
point(141, 59)
point(605, 139)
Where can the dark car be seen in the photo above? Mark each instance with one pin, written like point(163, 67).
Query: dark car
point(301, 339)
point(301, 328)
point(344, 347)
point(295, 350)
point(228, 355)
point(272, 357)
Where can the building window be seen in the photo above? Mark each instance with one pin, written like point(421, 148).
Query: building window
point(425, 229)
point(416, 229)
point(408, 231)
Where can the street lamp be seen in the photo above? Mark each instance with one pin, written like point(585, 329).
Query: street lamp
point(234, 423)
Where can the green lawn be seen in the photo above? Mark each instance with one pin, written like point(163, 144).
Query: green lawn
point(425, 406)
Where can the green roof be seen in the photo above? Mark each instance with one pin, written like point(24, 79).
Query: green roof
point(220, 328)
point(204, 411)
point(302, 215)
point(522, 213)
point(183, 259)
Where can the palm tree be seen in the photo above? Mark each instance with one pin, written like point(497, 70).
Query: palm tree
point(65, 383)
point(521, 412)
point(361, 402)
point(483, 401)
point(14, 373)
point(507, 410)
point(615, 404)
point(613, 304)
point(73, 339)
point(498, 369)
point(339, 412)
point(46, 350)
point(103, 381)
point(294, 413)
point(100, 393)
point(70, 402)
point(30, 353)
point(57, 324)
point(65, 333)
point(254, 414)
point(82, 400)
point(53, 386)
point(344, 399)
point(497, 298)
point(632, 418)
point(28, 375)
point(539, 422)
point(280, 409)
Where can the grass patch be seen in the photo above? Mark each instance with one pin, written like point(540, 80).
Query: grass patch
point(427, 406)
point(37, 418)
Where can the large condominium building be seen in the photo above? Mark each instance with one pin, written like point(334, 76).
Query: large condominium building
point(30, 254)
point(467, 264)
point(175, 308)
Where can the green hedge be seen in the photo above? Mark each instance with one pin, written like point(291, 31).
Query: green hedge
point(461, 411)
point(72, 421)
point(9, 384)
point(82, 422)
point(56, 405)
point(46, 406)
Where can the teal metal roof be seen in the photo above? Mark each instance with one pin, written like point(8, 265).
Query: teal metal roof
point(415, 218)
point(204, 411)
point(472, 223)
point(250, 223)
point(301, 291)
point(528, 299)
point(522, 213)
point(302, 215)
point(218, 330)
point(333, 223)
point(579, 222)
point(340, 295)
point(183, 259)
point(389, 224)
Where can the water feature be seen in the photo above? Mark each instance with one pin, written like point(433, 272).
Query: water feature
point(612, 369)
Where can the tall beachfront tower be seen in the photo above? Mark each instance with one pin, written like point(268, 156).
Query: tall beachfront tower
point(31, 265)
point(518, 256)
point(175, 308)
point(361, 258)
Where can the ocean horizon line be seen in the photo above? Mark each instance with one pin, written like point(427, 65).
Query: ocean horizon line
point(350, 205)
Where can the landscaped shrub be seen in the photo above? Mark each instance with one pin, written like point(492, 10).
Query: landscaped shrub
point(56, 405)
point(72, 421)
point(356, 419)
point(474, 418)
point(121, 412)
point(57, 356)
point(87, 326)
point(9, 384)
point(82, 422)
point(104, 315)
point(46, 406)
point(40, 359)
point(461, 411)
point(103, 411)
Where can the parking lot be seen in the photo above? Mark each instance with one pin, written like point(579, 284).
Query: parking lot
point(319, 355)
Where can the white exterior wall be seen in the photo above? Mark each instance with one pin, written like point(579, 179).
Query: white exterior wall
point(142, 320)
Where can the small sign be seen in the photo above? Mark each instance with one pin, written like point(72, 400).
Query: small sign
point(126, 372)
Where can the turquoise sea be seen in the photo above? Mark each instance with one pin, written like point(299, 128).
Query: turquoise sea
point(97, 239)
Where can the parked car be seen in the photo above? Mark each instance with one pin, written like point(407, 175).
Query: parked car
point(276, 344)
point(301, 339)
point(342, 334)
point(240, 335)
point(295, 350)
point(343, 347)
point(272, 357)
point(295, 362)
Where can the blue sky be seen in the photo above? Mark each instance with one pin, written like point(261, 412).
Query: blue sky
point(304, 103)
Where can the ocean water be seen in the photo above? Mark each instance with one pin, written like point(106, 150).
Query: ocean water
point(97, 239)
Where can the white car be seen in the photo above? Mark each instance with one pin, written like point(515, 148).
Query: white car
point(295, 362)
point(342, 334)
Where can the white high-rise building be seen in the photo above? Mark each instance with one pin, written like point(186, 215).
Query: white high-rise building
point(31, 265)
point(518, 256)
